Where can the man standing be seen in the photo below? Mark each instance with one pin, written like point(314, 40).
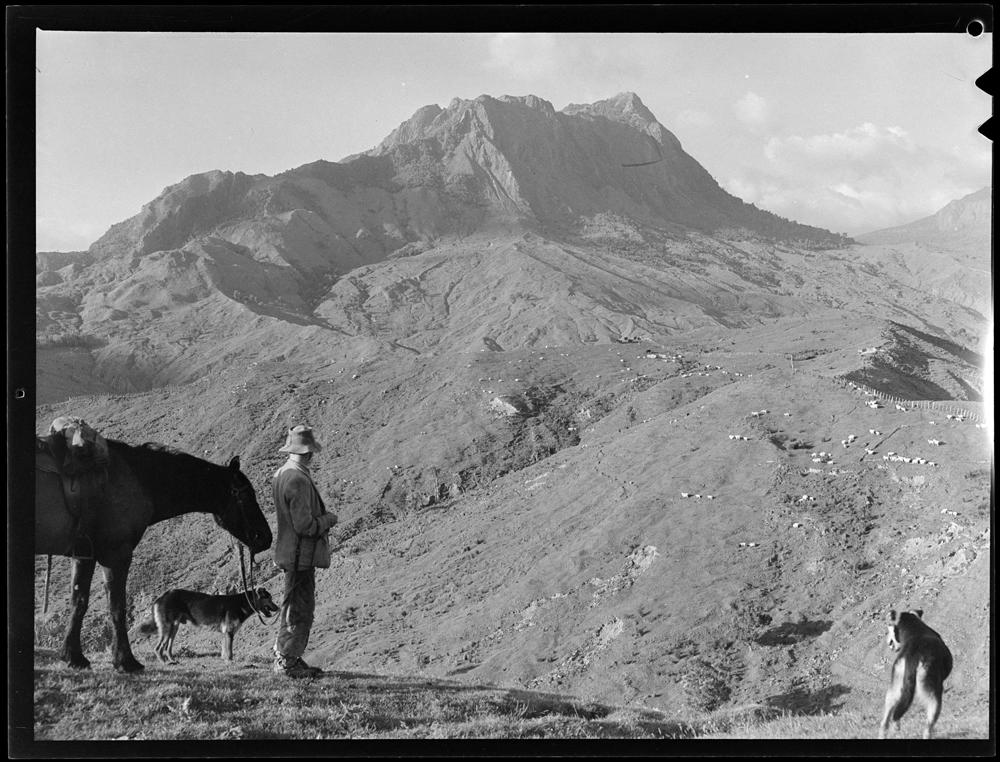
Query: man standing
point(300, 548)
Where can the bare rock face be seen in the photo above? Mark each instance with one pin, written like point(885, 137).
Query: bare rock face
point(522, 159)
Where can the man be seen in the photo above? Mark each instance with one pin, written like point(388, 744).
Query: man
point(300, 548)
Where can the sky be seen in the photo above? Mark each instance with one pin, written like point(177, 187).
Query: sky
point(848, 132)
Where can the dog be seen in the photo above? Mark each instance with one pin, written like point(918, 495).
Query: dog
point(225, 613)
point(920, 669)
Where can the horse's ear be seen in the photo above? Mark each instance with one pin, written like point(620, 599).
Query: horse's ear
point(235, 463)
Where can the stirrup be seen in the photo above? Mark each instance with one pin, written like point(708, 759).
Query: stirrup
point(82, 548)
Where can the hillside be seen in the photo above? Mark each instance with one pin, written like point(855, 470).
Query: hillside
point(557, 551)
point(944, 253)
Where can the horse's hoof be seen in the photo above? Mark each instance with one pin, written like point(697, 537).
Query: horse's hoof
point(130, 667)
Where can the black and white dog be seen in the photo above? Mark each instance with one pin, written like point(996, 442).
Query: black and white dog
point(225, 613)
point(920, 669)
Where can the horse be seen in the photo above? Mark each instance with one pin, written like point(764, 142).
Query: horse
point(146, 484)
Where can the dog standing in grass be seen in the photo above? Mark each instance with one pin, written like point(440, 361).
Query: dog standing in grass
point(225, 613)
point(920, 669)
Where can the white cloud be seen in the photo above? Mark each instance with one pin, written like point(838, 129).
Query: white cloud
point(858, 180)
point(524, 55)
point(693, 119)
point(752, 109)
point(57, 234)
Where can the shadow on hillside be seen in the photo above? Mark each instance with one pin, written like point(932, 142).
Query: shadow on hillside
point(399, 684)
point(803, 702)
point(964, 354)
point(790, 633)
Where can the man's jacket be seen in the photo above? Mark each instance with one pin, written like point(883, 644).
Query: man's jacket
point(302, 520)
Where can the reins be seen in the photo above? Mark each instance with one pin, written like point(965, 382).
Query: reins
point(251, 599)
point(48, 576)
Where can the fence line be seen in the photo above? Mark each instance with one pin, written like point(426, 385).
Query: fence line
point(941, 406)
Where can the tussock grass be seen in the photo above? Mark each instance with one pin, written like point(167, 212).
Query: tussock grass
point(205, 699)
point(762, 724)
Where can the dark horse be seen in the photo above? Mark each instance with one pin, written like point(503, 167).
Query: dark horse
point(145, 485)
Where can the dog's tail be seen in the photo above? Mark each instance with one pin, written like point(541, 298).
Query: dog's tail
point(907, 689)
point(147, 627)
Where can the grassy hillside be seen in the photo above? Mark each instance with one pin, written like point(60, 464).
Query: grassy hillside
point(556, 552)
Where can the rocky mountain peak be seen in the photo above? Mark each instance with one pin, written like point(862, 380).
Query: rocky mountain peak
point(624, 107)
point(974, 210)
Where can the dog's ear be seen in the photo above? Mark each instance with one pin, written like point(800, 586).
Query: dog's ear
point(234, 464)
point(919, 613)
point(893, 615)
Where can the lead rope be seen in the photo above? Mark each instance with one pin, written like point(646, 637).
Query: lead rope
point(251, 599)
point(48, 576)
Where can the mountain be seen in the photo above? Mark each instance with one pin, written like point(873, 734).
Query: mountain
point(944, 254)
point(965, 221)
point(592, 222)
point(524, 160)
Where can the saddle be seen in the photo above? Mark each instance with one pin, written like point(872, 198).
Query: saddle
point(79, 455)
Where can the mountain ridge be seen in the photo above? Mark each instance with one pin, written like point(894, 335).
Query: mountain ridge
point(968, 217)
point(362, 251)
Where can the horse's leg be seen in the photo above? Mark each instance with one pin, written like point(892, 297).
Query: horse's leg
point(114, 581)
point(72, 652)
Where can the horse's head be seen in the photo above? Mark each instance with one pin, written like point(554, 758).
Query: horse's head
point(243, 518)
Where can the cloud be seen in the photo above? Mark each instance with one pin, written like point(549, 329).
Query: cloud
point(862, 179)
point(751, 109)
point(58, 234)
point(693, 119)
point(525, 55)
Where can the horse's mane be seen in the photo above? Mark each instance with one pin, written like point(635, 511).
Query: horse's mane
point(170, 474)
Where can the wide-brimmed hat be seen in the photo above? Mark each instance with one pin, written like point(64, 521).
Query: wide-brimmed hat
point(300, 440)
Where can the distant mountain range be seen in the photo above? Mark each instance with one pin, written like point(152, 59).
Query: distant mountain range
point(962, 222)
